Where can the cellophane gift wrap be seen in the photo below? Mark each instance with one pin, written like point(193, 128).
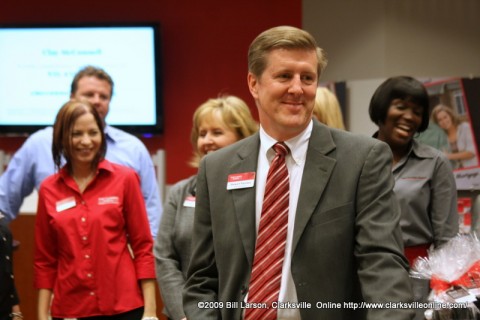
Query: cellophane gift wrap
point(454, 273)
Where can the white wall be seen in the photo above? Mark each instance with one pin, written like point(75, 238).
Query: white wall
point(382, 38)
point(359, 93)
point(370, 40)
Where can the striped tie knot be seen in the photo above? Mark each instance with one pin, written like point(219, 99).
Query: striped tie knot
point(281, 149)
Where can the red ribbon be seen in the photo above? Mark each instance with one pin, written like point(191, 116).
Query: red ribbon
point(470, 279)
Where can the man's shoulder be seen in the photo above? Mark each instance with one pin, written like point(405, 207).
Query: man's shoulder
point(123, 138)
point(38, 141)
point(348, 148)
point(45, 134)
point(347, 139)
point(120, 134)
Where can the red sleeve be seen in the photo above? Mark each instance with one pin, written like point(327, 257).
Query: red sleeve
point(45, 255)
point(138, 228)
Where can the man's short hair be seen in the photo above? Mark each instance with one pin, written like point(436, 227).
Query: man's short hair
point(282, 37)
point(91, 71)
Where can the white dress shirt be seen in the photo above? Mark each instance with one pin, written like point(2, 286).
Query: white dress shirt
point(295, 161)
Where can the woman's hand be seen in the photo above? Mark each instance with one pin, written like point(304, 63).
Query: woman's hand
point(148, 290)
point(44, 298)
point(16, 313)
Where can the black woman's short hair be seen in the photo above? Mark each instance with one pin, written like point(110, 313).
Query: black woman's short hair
point(401, 87)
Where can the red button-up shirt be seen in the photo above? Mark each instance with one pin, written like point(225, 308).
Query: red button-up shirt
point(81, 243)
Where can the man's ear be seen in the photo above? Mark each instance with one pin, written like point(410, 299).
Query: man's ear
point(252, 84)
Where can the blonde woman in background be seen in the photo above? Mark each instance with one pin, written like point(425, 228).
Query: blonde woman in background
point(327, 109)
point(217, 123)
point(462, 153)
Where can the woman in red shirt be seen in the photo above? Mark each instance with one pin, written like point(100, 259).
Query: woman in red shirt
point(89, 213)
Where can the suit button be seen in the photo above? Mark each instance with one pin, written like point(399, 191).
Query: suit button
point(244, 289)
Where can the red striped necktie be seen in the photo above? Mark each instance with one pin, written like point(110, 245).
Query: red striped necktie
point(272, 235)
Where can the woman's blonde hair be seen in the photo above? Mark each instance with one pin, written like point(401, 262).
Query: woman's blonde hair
point(327, 109)
point(453, 115)
point(234, 113)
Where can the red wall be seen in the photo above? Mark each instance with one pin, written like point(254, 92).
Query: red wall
point(204, 51)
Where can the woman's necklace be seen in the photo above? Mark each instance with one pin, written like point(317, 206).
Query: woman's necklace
point(82, 183)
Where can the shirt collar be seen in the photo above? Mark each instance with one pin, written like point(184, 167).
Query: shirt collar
point(298, 145)
point(103, 165)
point(420, 150)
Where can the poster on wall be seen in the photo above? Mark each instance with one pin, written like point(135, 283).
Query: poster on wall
point(454, 104)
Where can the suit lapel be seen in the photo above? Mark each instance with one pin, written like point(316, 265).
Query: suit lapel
point(244, 199)
point(317, 172)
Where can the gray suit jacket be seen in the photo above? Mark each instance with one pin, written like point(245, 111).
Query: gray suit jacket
point(173, 246)
point(347, 245)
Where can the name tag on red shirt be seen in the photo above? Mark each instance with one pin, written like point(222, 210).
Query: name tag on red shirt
point(108, 200)
point(65, 204)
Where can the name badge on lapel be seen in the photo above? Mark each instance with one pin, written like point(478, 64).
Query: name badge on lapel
point(65, 204)
point(189, 202)
point(241, 180)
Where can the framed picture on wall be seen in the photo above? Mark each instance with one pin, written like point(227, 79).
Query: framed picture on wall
point(454, 103)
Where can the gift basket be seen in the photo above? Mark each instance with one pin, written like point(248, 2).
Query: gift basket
point(454, 273)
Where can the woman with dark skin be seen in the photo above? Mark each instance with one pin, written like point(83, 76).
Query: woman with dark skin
point(424, 183)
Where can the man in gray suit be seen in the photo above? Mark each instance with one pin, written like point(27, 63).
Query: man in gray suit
point(343, 245)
